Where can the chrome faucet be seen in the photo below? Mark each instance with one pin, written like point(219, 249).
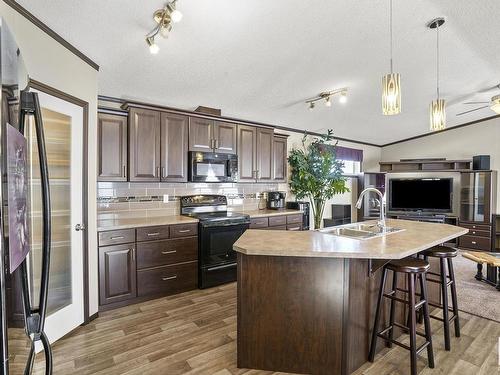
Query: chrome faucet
point(381, 221)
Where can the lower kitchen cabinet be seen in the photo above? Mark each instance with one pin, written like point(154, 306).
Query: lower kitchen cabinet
point(281, 222)
point(160, 260)
point(117, 273)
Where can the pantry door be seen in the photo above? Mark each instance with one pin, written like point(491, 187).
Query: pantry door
point(63, 124)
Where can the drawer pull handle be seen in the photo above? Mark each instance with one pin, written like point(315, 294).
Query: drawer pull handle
point(169, 278)
point(153, 234)
point(169, 252)
point(117, 238)
point(296, 228)
point(474, 242)
point(185, 231)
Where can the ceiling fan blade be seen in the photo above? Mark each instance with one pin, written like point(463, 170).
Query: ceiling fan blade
point(476, 103)
point(496, 87)
point(472, 110)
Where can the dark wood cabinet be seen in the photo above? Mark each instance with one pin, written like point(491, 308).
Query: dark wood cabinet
point(201, 133)
point(117, 273)
point(144, 146)
point(225, 137)
point(174, 147)
point(247, 149)
point(280, 158)
point(112, 147)
point(265, 154)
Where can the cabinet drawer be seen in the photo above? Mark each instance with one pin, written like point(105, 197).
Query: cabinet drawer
point(259, 222)
point(168, 279)
point(277, 220)
point(479, 233)
point(294, 219)
point(474, 242)
point(166, 252)
point(278, 227)
point(115, 237)
point(153, 233)
point(294, 227)
point(183, 230)
point(475, 226)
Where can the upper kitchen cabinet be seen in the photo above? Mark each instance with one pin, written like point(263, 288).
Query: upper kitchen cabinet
point(279, 158)
point(174, 147)
point(112, 147)
point(247, 149)
point(224, 138)
point(265, 154)
point(144, 146)
point(201, 134)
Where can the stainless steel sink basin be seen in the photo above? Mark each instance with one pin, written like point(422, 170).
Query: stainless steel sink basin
point(361, 231)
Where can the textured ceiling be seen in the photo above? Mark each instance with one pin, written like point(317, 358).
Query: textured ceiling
point(260, 59)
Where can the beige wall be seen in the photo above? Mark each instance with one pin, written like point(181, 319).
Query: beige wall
point(482, 138)
point(49, 62)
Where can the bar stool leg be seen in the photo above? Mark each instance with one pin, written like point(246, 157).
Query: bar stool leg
point(427, 321)
point(373, 344)
point(393, 308)
point(444, 296)
point(454, 297)
point(413, 324)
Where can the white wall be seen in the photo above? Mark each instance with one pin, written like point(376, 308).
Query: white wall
point(482, 138)
point(49, 62)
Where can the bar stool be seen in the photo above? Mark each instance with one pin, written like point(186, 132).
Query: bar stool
point(446, 279)
point(413, 268)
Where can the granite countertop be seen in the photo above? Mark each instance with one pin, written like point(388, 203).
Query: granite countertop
point(137, 222)
point(416, 237)
point(267, 212)
point(129, 223)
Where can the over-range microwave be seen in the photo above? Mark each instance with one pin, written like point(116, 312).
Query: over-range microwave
point(212, 167)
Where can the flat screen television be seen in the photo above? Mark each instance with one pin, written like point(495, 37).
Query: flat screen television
point(421, 194)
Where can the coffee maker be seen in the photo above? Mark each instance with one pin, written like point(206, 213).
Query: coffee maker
point(276, 200)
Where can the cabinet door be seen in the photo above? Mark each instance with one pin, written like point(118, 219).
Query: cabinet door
point(201, 134)
point(265, 139)
point(174, 147)
point(279, 159)
point(475, 197)
point(247, 147)
point(225, 138)
point(144, 147)
point(117, 273)
point(112, 147)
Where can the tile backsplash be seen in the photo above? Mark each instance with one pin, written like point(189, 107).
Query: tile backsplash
point(125, 199)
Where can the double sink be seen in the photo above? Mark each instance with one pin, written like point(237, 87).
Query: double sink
point(361, 231)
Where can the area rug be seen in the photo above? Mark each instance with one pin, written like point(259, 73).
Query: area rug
point(475, 297)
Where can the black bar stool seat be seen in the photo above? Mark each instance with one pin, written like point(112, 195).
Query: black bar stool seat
point(446, 278)
point(414, 269)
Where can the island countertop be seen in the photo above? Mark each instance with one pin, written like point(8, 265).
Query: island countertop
point(415, 237)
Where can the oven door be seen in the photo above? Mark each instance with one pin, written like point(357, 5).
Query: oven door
point(217, 257)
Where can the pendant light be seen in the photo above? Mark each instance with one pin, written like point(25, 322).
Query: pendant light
point(437, 109)
point(391, 86)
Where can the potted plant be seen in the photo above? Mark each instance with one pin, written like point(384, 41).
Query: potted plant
point(316, 173)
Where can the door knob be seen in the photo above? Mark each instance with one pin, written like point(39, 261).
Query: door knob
point(79, 227)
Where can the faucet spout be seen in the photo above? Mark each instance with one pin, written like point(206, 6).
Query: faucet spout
point(381, 221)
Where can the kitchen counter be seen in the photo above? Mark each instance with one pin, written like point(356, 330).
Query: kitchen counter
point(306, 300)
point(415, 237)
point(115, 224)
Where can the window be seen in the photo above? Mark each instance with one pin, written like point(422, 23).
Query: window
point(351, 167)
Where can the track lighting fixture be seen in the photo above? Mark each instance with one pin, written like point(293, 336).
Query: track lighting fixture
point(327, 97)
point(164, 18)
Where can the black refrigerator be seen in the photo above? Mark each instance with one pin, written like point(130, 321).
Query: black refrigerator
point(22, 315)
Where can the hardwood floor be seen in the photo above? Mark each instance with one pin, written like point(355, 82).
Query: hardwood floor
point(195, 333)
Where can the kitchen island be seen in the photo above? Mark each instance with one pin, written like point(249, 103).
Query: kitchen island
point(306, 300)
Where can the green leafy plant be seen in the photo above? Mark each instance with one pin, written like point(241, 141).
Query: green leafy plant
point(316, 173)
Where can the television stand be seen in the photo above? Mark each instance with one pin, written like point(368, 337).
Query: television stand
point(429, 218)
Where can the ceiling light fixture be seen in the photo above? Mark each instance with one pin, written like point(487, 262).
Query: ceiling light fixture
point(437, 109)
point(495, 104)
point(327, 97)
point(391, 83)
point(164, 18)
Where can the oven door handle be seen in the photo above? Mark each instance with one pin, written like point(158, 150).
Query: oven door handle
point(224, 225)
point(221, 267)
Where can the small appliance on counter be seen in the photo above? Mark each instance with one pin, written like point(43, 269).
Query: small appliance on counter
point(304, 207)
point(276, 200)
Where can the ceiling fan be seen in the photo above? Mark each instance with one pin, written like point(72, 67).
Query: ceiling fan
point(493, 104)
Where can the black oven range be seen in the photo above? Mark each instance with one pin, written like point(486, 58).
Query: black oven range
point(218, 230)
